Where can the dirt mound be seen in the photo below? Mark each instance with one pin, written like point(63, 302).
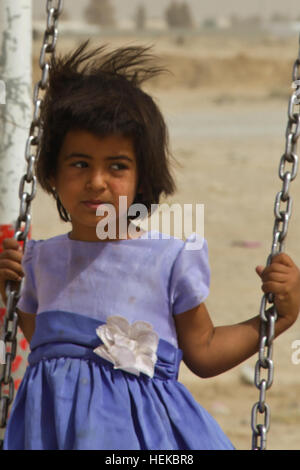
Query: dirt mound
point(219, 73)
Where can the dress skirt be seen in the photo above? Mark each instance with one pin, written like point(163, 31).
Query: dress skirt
point(72, 399)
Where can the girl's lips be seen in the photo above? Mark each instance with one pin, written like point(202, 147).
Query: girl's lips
point(92, 204)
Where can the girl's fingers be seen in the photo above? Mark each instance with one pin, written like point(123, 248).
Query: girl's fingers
point(280, 263)
point(11, 261)
point(259, 270)
point(274, 268)
point(10, 254)
point(274, 288)
point(11, 243)
point(283, 259)
point(10, 266)
point(9, 275)
point(275, 277)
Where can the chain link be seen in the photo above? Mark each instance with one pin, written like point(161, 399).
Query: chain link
point(268, 315)
point(54, 9)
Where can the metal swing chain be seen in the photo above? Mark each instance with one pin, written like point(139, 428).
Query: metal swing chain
point(54, 9)
point(268, 315)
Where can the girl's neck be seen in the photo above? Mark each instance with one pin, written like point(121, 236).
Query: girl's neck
point(91, 235)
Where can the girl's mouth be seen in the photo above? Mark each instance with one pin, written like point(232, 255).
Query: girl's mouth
point(92, 204)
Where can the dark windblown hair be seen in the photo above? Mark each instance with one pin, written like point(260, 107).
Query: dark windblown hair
point(100, 92)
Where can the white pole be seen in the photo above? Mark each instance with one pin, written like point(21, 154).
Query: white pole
point(15, 120)
point(16, 99)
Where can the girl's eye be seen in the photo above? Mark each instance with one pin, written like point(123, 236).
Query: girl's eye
point(79, 164)
point(118, 166)
point(114, 166)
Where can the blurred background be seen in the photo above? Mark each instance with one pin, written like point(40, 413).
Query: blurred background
point(158, 15)
point(225, 103)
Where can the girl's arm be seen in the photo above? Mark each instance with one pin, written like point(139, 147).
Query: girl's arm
point(209, 350)
point(10, 265)
point(26, 322)
point(11, 270)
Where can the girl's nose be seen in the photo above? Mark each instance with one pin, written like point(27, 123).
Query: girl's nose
point(97, 180)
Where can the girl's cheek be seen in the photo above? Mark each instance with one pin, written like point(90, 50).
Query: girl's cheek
point(70, 176)
point(120, 188)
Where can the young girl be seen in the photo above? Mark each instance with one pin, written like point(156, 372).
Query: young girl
point(109, 320)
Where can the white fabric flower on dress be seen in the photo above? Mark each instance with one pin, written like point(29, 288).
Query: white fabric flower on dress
point(131, 348)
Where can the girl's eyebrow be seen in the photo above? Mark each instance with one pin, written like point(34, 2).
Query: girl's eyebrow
point(109, 157)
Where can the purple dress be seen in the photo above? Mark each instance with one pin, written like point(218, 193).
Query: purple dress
point(70, 397)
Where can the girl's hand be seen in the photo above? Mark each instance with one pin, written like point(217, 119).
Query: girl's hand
point(10, 264)
point(282, 278)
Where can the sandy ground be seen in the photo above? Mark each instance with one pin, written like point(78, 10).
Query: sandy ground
point(225, 104)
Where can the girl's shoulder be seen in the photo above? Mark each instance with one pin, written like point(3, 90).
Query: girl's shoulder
point(32, 246)
point(176, 255)
point(193, 242)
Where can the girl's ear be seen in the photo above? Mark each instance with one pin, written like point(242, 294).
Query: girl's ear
point(51, 181)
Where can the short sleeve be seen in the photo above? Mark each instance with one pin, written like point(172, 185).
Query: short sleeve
point(190, 277)
point(28, 298)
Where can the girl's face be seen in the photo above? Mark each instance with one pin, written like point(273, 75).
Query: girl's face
point(93, 170)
